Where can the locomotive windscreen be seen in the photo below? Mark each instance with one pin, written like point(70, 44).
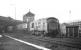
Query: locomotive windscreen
point(52, 23)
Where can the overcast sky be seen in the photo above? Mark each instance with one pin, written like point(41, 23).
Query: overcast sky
point(64, 10)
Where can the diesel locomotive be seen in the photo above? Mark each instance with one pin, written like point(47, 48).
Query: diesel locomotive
point(45, 27)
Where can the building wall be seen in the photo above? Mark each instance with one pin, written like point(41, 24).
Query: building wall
point(22, 26)
point(63, 28)
point(10, 28)
point(27, 18)
point(40, 25)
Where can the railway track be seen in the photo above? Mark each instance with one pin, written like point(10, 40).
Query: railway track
point(61, 42)
point(52, 42)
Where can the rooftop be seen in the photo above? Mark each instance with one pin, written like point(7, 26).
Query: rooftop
point(9, 21)
point(30, 14)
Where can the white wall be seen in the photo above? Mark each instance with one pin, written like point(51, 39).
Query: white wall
point(22, 26)
point(40, 25)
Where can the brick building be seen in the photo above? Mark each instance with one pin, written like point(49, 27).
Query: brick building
point(27, 18)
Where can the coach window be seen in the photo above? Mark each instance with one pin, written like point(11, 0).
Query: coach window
point(32, 25)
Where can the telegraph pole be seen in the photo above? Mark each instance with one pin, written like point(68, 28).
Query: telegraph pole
point(14, 6)
point(70, 12)
point(15, 12)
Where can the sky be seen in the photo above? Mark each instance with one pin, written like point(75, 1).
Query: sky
point(64, 10)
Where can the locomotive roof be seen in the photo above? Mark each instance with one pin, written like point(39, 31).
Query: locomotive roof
point(52, 18)
point(44, 19)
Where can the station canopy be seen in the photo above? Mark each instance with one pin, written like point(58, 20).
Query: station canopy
point(9, 21)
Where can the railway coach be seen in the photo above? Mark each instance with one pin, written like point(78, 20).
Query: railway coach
point(45, 27)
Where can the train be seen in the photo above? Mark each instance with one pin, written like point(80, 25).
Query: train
point(49, 27)
point(45, 27)
point(42, 27)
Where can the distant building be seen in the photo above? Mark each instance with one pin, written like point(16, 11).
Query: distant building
point(63, 28)
point(27, 18)
point(76, 23)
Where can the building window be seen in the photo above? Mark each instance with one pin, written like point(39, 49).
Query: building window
point(32, 25)
point(38, 26)
point(27, 20)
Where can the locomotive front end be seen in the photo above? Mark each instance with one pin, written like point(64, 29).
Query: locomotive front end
point(53, 27)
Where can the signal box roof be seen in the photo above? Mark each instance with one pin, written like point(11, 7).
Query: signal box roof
point(29, 14)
